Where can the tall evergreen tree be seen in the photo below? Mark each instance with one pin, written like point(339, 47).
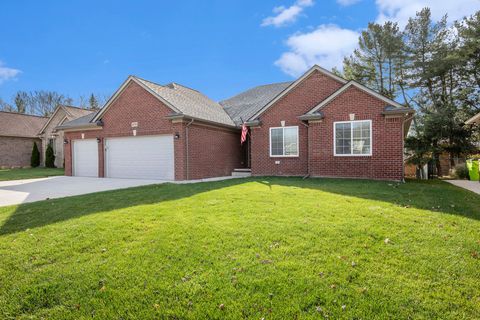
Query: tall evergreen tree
point(93, 102)
point(377, 61)
point(49, 157)
point(35, 157)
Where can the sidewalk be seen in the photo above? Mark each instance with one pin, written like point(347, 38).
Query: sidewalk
point(473, 186)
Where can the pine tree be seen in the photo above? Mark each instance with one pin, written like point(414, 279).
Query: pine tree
point(377, 61)
point(49, 157)
point(93, 102)
point(35, 158)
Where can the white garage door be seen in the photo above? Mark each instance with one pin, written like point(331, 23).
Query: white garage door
point(85, 158)
point(145, 157)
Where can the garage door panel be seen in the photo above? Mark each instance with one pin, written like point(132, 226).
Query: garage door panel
point(85, 158)
point(145, 157)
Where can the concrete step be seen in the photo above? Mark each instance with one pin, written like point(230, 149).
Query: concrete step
point(242, 172)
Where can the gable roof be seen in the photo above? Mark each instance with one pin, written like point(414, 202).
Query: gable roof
point(76, 112)
point(82, 122)
point(20, 125)
point(190, 102)
point(294, 84)
point(71, 113)
point(182, 100)
point(244, 105)
point(392, 107)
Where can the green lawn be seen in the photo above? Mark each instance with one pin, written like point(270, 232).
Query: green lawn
point(245, 248)
point(31, 173)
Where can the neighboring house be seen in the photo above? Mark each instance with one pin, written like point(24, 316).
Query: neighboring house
point(474, 120)
point(50, 135)
point(319, 125)
point(18, 132)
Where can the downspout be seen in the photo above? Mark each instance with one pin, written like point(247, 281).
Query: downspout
point(186, 147)
point(308, 150)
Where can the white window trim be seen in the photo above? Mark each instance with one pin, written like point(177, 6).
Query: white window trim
point(351, 154)
point(283, 143)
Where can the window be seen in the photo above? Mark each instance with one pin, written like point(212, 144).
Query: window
point(284, 142)
point(353, 138)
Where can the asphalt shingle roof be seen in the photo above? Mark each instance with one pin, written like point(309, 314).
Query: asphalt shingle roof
point(20, 125)
point(82, 121)
point(190, 102)
point(75, 112)
point(248, 103)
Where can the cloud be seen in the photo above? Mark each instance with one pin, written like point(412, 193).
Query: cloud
point(400, 10)
point(7, 73)
point(346, 3)
point(285, 15)
point(325, 46)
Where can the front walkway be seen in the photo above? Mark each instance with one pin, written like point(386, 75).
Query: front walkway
point(30, 190)
point(473, 186)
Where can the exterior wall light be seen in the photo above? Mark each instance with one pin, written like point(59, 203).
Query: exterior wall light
point(177, 135)
point(99, 140)
point(65, 141)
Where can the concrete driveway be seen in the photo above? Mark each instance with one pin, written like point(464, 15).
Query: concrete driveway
point(30, 190)
point(473, 186)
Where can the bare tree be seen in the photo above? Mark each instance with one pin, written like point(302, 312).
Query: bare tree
point(4, 106)
point(21, 99)
point(44, 102)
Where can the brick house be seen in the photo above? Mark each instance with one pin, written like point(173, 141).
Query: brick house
point(318, 125)
point(18, 133)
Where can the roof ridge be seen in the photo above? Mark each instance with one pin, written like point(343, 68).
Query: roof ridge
point(75, 107)
point(186, 87)
point(24, 114)
point(143, 79)
point(257, 86)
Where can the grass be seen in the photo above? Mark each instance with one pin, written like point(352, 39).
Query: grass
point(30, 173)
point(245, 248)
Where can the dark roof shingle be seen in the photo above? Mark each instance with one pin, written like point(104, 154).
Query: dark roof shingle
point(248, 103)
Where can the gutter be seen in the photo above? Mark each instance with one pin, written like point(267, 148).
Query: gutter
point(311, 116)
point(398, 111)
point(181, 116)
point(87, 125)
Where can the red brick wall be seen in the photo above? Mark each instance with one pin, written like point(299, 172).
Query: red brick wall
point(386, 161)
point(300, 100)
point(212, 151)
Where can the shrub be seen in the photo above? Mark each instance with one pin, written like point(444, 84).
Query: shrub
point(461, 171)
point(35, 158)
point(49, 157)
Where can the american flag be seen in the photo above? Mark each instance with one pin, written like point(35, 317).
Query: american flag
point(244, 133)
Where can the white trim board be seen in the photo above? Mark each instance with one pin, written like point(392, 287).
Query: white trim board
point(120, 90)
point(335, 154)
point(51, 117)
point(294, 84)
point(359, 86)
point(283, 143)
